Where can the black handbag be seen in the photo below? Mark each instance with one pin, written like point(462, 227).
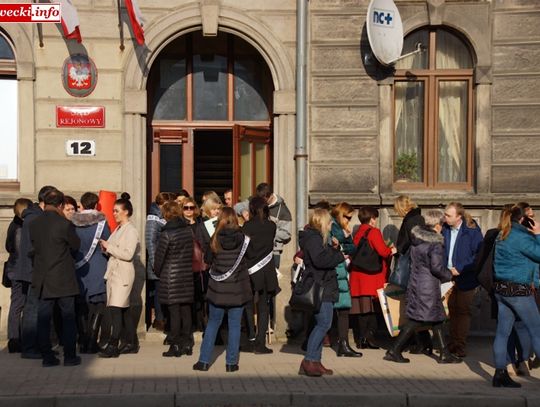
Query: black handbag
point(365, 258)
point(6, 282)
point(307, 293)
point(485, 275)
point(402, 270)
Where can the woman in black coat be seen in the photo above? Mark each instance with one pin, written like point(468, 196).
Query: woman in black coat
point(261, 268)
point(172, 264)
point(229, 288)
point(320, 260)
point(411, 214)
point(424, 303)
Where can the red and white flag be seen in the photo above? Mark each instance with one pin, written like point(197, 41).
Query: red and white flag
point(70, 20)
point(137, 20)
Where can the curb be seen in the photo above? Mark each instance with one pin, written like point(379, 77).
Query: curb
point(270, 399)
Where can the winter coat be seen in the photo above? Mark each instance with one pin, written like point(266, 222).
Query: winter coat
point(154, 224)
point(466, 248)
point(123, 248)
point(90, 275)
point(53, 238)
point(517, 256)
point(347, 247)
point(363, 283)
point(23, 271)
point(201, 234)
point(13, 246)
point(173, 263)
point(412, 218)
point(261, 233)
point(321, 260)
point(428, 271)
point(235, 290)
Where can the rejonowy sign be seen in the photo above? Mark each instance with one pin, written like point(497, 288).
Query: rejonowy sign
point(80, 116)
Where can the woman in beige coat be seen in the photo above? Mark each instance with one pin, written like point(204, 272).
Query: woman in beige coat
point(122, 248)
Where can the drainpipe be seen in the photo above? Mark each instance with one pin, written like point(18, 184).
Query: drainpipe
point(300, 153)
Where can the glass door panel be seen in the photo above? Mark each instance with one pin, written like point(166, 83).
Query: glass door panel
point(260, 163)
point(170, 167)
point(246, 170)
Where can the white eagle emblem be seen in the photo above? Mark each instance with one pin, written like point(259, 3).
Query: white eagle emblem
point(79, 75)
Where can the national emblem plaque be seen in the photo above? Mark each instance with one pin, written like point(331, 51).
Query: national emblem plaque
point(79, 75)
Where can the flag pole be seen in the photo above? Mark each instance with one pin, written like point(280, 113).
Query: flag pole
point(40, 31)
point(120, 26)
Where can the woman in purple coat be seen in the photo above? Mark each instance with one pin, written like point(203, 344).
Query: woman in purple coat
point(424, 303)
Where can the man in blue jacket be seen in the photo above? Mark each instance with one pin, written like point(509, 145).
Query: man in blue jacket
point(462, 240)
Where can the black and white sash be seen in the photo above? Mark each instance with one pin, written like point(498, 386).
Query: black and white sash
point(225, 276)
point(95, 241)
point(261, 264)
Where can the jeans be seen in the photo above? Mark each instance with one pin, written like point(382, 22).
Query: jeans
point(29, 331)
point(509, 307)
point(315, 341)
point(15, 310)
point(214, 322)
point(69, 327)
point(519, 344)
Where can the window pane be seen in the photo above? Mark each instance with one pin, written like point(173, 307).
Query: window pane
point(245, 169)
point(419, 60)
point(171, 90)
point(453, 107)
point(452, 53)
point(251, 83)
point(170, 167)
point(5, 49)
point(8, 124)
point(260, 160)
point(409, 128)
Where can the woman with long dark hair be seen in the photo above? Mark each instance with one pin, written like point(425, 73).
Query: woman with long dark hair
point(229, 288)
point(261, 268)
point(122, 248)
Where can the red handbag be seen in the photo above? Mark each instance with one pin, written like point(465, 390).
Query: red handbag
point(198, 263)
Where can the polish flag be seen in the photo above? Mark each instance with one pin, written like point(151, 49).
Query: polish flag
point(137, 20)
point(70, 20)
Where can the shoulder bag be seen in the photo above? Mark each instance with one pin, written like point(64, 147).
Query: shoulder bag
point(365, 258)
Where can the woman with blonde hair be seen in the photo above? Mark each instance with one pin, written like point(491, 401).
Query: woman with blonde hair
point(229, 288)
point(321, 257)
point(341, 232)
point(411, 214)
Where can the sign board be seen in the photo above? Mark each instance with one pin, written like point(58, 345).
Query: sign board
point(80, 116)
point(80, 148)
point(79, 75)
point(385, 31)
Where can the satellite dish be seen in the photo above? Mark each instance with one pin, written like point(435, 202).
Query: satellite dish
point(385, 31)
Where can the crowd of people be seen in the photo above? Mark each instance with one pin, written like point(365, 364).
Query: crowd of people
point(73, 278)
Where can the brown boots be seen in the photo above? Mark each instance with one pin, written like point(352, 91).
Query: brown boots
point(313, 369)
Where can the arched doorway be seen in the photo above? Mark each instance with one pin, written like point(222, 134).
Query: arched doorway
point(209, 117)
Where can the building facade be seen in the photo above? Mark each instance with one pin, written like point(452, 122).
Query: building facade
point(209, 103)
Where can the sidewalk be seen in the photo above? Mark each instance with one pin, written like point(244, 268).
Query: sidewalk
point(148, 379)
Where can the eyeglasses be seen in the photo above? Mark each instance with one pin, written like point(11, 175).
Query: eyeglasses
point(189, 208)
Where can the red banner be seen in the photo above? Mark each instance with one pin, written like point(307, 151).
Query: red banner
point(80, 116)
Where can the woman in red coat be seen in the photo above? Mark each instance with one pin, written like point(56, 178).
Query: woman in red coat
point(364, 285)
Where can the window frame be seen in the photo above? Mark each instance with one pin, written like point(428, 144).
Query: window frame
point(431, 78)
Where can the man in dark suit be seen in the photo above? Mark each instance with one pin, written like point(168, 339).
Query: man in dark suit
point(53, 238)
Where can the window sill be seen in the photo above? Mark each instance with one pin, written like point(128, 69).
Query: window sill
point(14, 186)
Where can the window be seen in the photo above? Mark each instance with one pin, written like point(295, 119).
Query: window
point(8, 112)
point(433, 112)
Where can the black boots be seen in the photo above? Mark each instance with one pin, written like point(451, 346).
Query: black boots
point(14, 346)
point(502, 379)
point(344, 349)
point(174, 350)
point(446, 356)
point(110, 350)
point(367, 343)
point(394, 353)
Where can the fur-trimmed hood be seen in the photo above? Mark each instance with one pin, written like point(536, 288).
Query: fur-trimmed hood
point(87, 218)
point(424, 234)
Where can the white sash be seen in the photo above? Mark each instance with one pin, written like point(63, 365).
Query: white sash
point(261, 264)
point(223, 277)
point(156, 219)
point(97, 236)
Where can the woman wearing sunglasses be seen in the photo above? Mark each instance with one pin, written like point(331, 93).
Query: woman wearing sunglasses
point(341, 232)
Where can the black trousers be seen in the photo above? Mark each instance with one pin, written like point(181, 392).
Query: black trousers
point(343, 324)
point(180, 320)
point(263, 316)
point(69, 328)
point(121, 323)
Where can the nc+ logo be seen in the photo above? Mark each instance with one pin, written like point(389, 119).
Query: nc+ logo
point(383, 17)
